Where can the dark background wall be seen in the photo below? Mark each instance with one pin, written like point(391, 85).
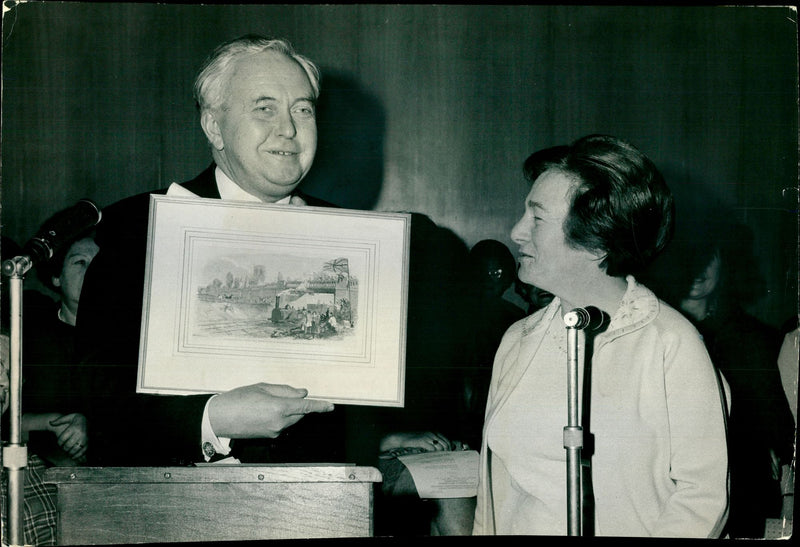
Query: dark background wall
point(425, 108)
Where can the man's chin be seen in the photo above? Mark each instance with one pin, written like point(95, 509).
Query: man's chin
point(276, 190)
point(286, 178)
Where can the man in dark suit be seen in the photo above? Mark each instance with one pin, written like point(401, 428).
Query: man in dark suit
point(256, 99)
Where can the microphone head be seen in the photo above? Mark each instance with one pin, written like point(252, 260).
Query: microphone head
point(39, 250)
point(62, 228)
point(590, 318)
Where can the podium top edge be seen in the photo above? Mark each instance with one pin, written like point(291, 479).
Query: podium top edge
point(228, 473)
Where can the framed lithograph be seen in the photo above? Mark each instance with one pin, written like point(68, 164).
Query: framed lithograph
point(239, 293)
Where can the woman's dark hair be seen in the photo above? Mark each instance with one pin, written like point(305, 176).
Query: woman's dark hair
point(621, 204)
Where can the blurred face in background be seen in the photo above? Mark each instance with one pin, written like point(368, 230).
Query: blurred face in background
point(70, 282)
point(492, 278)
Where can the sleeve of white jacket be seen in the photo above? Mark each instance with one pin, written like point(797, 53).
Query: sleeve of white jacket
point(506, 356)
point(698, 461)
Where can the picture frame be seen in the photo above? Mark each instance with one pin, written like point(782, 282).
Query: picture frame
point(238, 293)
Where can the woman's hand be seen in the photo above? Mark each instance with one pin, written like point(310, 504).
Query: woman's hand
point(71, 434)
point(427, 441)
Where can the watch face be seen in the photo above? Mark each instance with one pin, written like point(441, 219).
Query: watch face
point(208, 449)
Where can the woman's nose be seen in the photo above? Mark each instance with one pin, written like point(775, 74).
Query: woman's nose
point(519, 231)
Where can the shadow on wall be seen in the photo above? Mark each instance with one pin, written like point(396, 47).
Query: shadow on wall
point(348, 167)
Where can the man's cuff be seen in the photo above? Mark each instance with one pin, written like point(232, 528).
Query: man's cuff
point(211, 444)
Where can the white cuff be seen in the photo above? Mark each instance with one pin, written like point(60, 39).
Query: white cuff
point(221, 445)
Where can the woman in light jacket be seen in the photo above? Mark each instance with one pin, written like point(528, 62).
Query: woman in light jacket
point(598, 212)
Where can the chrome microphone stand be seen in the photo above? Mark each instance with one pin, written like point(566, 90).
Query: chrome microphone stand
point(573, 432)
point(15, 454)
point(591, 319)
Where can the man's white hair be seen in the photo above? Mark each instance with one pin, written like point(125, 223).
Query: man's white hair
point(209, 86)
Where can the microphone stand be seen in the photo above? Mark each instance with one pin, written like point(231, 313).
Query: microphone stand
point(15, 454)
point(593, 319)
point(62, 228)
point(573, 436)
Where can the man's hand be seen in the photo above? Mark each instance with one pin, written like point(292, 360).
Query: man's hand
point(429, 441)
point(71, 434)
point(260, 410)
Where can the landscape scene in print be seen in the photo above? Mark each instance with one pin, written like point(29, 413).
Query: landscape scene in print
point(275, 296)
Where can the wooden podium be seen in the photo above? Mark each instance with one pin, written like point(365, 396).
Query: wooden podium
point(112, 505)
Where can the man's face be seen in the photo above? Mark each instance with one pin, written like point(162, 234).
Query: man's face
point(77, 260)
point(546, 259)
point(265, 134)
point(493, 280)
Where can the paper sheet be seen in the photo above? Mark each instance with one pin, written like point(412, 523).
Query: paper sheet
point(444, 474)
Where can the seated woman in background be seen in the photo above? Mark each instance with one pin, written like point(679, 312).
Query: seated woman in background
point(54, 392)
point(598, 212)
point(710, 273)
point(53, 396)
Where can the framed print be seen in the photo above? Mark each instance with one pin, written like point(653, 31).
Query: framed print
point(238, 293)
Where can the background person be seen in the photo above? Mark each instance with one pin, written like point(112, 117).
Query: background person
point(432, 411)
point(54, 390)
point(709, 272)
point(491, 271)
point(598, 211)
point(788, 360)
point(53, 425)
point(534, 297)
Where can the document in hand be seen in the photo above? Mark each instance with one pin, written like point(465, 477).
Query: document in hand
point(444, 474)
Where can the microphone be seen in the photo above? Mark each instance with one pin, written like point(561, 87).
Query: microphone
point(61, 229)
point(589, 318)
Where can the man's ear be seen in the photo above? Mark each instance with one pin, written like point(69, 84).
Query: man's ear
point(56, 281)
point(707, 281)
point(208, 122)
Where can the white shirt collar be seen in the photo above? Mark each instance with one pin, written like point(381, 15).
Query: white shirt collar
point(228, 190)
